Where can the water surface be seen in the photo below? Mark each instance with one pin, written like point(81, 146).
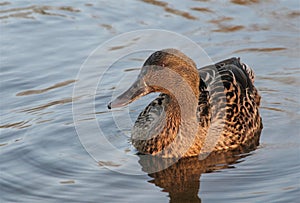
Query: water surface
point(43, 45)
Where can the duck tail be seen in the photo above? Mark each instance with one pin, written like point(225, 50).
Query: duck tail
point(251, 76)
point(248, 70)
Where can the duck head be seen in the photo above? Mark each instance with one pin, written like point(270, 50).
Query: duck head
point(163, 69)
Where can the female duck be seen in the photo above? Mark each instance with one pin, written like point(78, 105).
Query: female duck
point(198, 111)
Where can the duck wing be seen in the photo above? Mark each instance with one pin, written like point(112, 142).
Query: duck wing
point(228, 96)
point(231, 72)
point(151, 120)
point(233, 68)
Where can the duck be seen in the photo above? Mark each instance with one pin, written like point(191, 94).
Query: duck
point(198, 111)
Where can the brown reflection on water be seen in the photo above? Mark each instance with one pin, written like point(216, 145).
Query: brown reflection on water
point(267, 89)
point(113, 48)
point(137, 59)
point(67, 182)
point(27, 12)
point(287, 71)
point(108, 27)
point(180, 13)
point(57, 85)
point(44, 121)
point(272, 109)
point(287, 80)
point(294, 14)
point(229, 28)
point(17, 125)
point(49, 104)
point(286, 76)
point(171, 10)
point(245, 2)
point(220, 20)
point(10, 142)
point(260, 49)
point(108, 163)
point(257, 27)
point(38, 111)
point(182, 179)
point(119, 47)
point(200, 9)
point(132, 69)
point(222, 27)
point(4, 3)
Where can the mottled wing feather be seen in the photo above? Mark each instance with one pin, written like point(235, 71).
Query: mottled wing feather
point(151, 120)
point(234, 80)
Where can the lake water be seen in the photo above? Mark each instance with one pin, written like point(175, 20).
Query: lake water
point(43, 46)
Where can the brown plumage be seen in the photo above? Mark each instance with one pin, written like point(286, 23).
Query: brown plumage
point(198, 111)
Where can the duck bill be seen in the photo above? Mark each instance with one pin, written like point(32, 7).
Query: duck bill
point(137, 90)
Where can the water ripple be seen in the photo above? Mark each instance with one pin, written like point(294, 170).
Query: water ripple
point(171, 10)
point(27, 12)
point(245, 2)
point(49, 104)
point(57, 85)
point(260, 49)
point(229, 28)
point(17, 125)
point(201, 9)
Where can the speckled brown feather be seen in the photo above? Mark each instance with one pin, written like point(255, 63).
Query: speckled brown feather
point(242, 119)
point(239, 124)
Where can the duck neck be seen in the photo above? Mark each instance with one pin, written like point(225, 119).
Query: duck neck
point(181, 117)
point(179, 124)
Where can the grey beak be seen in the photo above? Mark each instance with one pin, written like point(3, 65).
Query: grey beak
point(137, 90)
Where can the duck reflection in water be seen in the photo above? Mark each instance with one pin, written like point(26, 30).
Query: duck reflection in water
point(181, 180)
